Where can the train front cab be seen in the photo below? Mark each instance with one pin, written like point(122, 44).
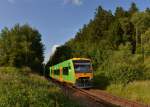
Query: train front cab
point(83, 72)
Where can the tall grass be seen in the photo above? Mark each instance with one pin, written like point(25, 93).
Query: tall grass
point(21, 90)
point(137, 91)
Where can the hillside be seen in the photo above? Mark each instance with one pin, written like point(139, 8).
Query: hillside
point(21, 88)
point(118, 45)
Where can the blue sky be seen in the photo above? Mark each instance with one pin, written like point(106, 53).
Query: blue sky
point(57, 20)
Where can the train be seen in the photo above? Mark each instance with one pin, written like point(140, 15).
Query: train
point(76, 71)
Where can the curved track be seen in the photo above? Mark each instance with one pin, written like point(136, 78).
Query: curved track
point(111, 99)
point(96, 98)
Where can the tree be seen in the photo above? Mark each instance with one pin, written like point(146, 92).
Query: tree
point(148, 10)
point(120, 12)
point(145, 39)
point(21, 46)
point(62, 53)
point(116, 34)
point(133, 9)
point(141, 23)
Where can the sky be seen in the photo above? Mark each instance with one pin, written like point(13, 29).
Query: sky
point(57, 20)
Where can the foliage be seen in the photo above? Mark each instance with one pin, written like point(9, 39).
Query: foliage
point(101, 81)
point(123, 67)
point(146, 40)
point(22, 90)
point(133, 9)
point(21, 46)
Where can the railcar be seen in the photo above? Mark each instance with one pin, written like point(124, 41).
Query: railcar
point(75, 71)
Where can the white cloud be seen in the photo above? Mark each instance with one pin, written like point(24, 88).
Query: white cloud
point(54, 48)
point(11, 1)
point(75, 2)
point(49, 53)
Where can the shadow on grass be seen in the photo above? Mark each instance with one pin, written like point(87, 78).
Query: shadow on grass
point(101, 82)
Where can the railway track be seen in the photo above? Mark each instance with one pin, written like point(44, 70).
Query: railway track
point(114, 100)
point(96, 98)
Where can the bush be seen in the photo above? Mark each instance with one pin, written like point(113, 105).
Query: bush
point(101, 81)
point(123, 67)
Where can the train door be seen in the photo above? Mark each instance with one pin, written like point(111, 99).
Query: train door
point(61, 73)
point(52, 71)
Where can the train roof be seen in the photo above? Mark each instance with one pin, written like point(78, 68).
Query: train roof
point(73, 60)
point(80, 59)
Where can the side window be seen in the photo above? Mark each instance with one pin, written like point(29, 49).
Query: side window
point(57, 72)
point(50, 71)
point(54, 72)
point(65, 71)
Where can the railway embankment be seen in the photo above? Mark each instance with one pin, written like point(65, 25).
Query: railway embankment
point(22, 88)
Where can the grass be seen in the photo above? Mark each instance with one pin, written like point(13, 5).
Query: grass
point(20, 89)
point(136, 91)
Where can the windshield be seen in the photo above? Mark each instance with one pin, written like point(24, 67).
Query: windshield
point(82, 66)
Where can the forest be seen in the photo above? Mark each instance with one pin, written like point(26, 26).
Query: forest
point(117, 43)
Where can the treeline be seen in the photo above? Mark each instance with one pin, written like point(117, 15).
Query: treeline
point(21, 46)
point(114, 41)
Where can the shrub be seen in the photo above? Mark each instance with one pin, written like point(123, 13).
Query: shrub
point(123, 67)
point(101, 81)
